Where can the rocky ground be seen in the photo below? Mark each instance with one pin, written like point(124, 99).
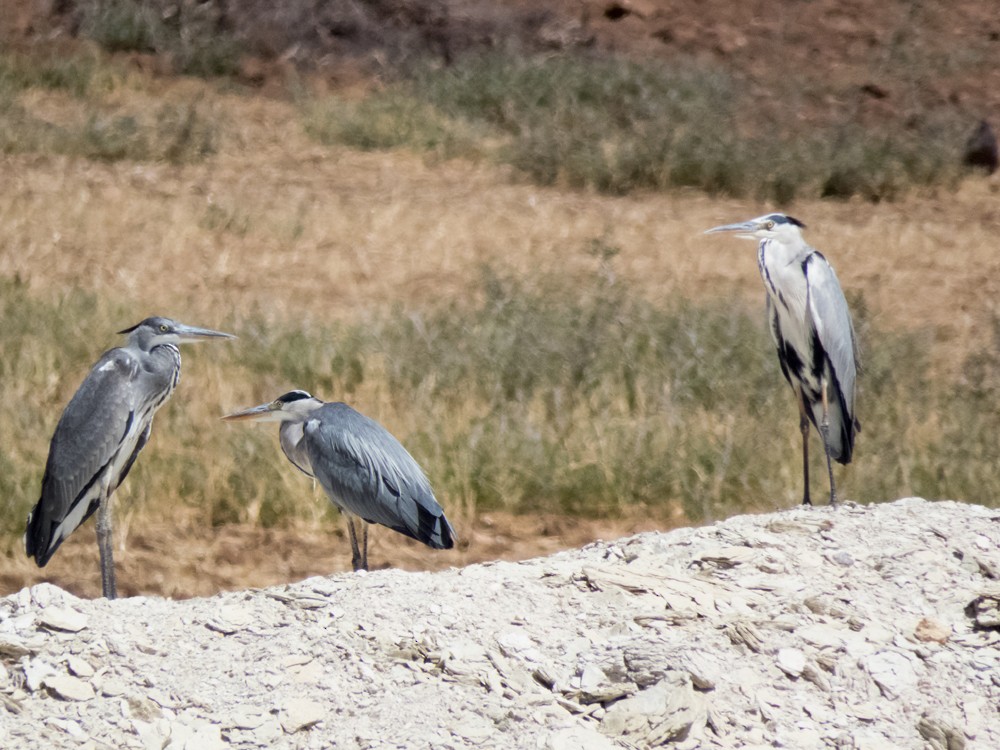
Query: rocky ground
point(861, 627)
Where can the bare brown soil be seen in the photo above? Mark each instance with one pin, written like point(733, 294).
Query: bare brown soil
point(814, 61)
point(180, 563)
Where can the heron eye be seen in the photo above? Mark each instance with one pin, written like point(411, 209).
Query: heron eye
point(164, 328)
point(770, 225)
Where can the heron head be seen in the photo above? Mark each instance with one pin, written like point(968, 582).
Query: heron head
point(288, 407)
point(768, 227)
point(156, 330)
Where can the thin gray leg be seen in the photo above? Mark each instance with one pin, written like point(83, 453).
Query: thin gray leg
point(364, 544)
point(824, 431)
point(804, 429)
point(105, 544)
point(358, 560)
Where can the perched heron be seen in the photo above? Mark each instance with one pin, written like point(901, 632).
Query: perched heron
point(363, 469)
point(100, 434)
point(812, 329)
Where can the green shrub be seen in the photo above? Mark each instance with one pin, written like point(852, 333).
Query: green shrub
point(187, 34)
point(618, 126)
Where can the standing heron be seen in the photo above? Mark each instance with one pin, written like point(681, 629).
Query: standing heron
point(100, 434)
point(811, 327)
point(363, 469)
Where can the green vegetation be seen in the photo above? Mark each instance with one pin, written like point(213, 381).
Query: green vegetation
point(617, 126)
point(174, 132)
point(80, 74)
point(604, 124)
point(187, 34)
point(549, 394)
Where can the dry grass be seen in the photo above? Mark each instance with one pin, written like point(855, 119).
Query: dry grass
point(275, 229)
point(276, 224)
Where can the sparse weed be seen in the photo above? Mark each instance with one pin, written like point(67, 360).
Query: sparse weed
point(618, 126)
point(174, 133)
point(391, 120)
point(187, 34)
point(567, 395)
point(79, 74)
point(122, 25)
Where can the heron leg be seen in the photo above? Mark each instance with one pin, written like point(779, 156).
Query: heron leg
point(105, 544)
point(359, 558)
point(824, 431)
point(804, 429)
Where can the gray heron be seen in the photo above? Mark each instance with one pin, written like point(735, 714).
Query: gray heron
point(100, 434)
point(811, 327)
point(363, 469)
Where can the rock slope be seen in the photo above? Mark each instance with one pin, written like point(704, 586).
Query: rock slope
point(866, 627)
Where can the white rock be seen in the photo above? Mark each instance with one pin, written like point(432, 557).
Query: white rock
point(113, 687)
point(59, 618)
point(79, 667)
point(579, 738)
point(35, 672)
point(165, 680)
point(189, 733)
point(150, 735)
point(843, 557)
point(892, 671)
point(301, 713)
point(514, 641)
point(72, 728)
point(823, 636)
point(68, 687)
point(473, 728)
point(13, 646)
point(248, 719)
point(791, 661)
point(592, 678)
point(46, 594)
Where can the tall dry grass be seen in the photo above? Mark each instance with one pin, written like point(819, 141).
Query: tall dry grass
point(534, 347)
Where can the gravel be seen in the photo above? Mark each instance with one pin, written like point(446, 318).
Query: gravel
point(865, 627)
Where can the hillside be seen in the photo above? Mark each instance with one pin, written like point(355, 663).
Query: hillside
point(860, 627)
point(814, 62)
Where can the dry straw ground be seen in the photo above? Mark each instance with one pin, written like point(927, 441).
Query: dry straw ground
point(341, 234)
point(276, 227)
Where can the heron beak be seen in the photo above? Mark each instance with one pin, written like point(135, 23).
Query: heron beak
point(262, 413)
point(742, 229)
point(191, 334)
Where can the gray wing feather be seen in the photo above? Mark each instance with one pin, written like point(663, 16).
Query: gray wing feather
point(367, 472)
point(832, 321)
point(85, 440)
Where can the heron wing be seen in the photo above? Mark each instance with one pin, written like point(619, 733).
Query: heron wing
point(831, 319)
point(367, 472)
point(88, 438)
